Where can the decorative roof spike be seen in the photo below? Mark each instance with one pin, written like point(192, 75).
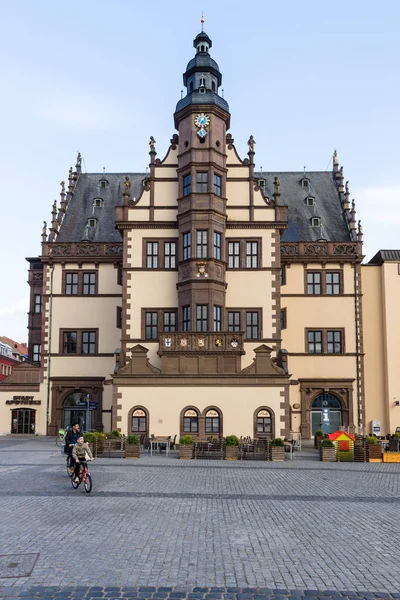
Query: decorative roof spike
point(341, 178)
point(346, 202)
point(44, 234)
point(54, 208)
point(335, 160)
point(251, 142)
point(276, 193)
point(152, 144)
point(127, 187)
point(202, 21)
point(360, 231)
point(78, 163)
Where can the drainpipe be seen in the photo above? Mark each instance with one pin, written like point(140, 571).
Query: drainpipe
point(49, 351)
point(356, 310)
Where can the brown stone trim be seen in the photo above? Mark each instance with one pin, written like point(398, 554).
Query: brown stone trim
point(324, 331)
point(207, 380)
point(26, 387)
point(321, 355)
point(114, 408)
point(342, 389)
point(80, 282)
point(130, 415)
point(126, 279)
point(243, 311)
point(283, 318)
point(323, 273)
point(160, 320)
point(78, 341)
point(256, 225)
point(242, 253)
point(61, 387)
point(360, 343)
point(255, 414)
point(146, 225)
point(276, 286)
point(87, 296)
point(161, 254)
point(327, 252)
point(83, 355)
point(317, 295)
point(181, 418)
point(285, 418)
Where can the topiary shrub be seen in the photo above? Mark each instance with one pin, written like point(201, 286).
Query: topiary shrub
point(90, 437)
point(371, 439)
point(185, 440)
point(319, 433)
point(327, 444)
point(277, 442)
point(231, 440)
point(133, 439)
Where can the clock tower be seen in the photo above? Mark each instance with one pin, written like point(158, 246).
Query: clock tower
point(202, 119)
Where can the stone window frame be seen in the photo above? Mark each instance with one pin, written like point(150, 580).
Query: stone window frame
point(187, 184)
point(255, 417)
point(242, 253)
point(80, 275)
point(324, 331)
point(243, 319)
point(283, 318)
point(130, 418)
point(202, 319)
point(221, 423)
point(201, 182)
point(78, 332)
point(182, 421)
point(160, 320)
point(202, 242)
point(36, 352)
point(323, 284)
point(186, 245)
point(119, 317)
point(161, 253)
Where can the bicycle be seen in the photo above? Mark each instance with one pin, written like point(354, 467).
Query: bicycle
point(84, 477)
point(60, 439)
point(70, 466)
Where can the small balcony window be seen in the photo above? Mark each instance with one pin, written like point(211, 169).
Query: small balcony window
point(310, 201)
point(315, 222)
point(92, 222)
point(98, 202)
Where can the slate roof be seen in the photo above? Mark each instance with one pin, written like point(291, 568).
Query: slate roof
point(209, 97)
point(80, 209)
point(327, 206)
point(385, 255)
point(322, 188)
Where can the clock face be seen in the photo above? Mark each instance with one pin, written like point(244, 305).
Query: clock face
point(202, 133)
point(202, 120)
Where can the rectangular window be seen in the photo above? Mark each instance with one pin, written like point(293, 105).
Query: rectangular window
point(217, 185)
point(187, 188)
point(332, 283)
point(251, 255)
point(88, 342)
point(201, 317)
point(201, 244)
point(283, 275)
point(70, 342)
point(314, 342)
point(217, 245)
point(119, 276)
point(170, 321)
point(187, 252)
point(334, 342)
point(314, 284)
point(89, 284)
point(71, 284)
point(151, 326)
point(191, 424)
point(217, 318)
point(283, 318)
point(152, 255)
point(36, 352)
point(233, 255)
point(169, 255)
point(212, 424)
point(119, 317)
point(186, 318)
point(252, 325)
point(202, 182)
point(38, 303)
point(234, 321)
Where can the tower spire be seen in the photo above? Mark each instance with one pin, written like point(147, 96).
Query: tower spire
point(202, 21)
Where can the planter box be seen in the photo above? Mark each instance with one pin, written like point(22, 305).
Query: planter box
point(186, 452)
point(132, 451)
point(317, 440)
point(374, 452)
point(391, 457)
point(231, 452)
point(328, 454)
point(278, 453)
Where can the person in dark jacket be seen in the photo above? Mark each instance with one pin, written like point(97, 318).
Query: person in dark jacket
point(70, 441)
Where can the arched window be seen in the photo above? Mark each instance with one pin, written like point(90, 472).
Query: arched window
point(202, 48)
point(213, 87)
point(325, 401)
point(202, 82)
point(212, 421)
point(264, 421)
point(191, 421)
point(139, 421)
point(191, 86)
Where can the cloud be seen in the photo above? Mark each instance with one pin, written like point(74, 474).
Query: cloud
point(19, 306)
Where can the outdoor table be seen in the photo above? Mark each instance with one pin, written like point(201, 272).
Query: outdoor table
point(157, 442)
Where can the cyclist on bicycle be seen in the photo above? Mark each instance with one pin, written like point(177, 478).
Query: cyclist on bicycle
point(70, 441)
point(79, 452)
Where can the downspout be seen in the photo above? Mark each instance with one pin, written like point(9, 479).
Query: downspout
point(356, 311)
point(49, 351)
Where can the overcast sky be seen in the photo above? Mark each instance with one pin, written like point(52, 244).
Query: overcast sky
point(102, 76)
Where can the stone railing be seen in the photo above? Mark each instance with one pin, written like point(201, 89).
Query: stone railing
point(201, 342)
point(82, 250)
point(319, 250)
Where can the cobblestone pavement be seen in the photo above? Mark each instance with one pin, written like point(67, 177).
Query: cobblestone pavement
point(162, 528)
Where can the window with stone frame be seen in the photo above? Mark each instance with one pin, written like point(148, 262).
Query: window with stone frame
point(234, 321)
point(169, 321)
point(201, 317)
point(139, 421)
point(89, 283)
point(169, 255)
point(187, 248)
point(314, 338)
point(201, 243)
point(186, 320)
point(314, 283)
point(119, 317)
point(217, 185)
point(217, 318)
point(251, 255)
point(191, 421)
point(264, 422)
point(70, 342)
point(323, 282)
point(152, 255)
point(212, 422)
point(252, 325)
point(332, 282)
point(283, 318)
point(36, 352)
point(151, 325)
point(325, 341)
point(282, 275)
point(334, 343)
point(217, 245)
point(233, 255)
point(187, 186)
point(71, 286)
point(38, 304)
point(202, 182)
point(88, 342)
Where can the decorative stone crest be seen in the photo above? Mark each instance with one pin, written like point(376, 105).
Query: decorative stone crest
point(202, 269)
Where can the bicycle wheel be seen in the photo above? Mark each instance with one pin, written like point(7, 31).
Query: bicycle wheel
point(88, 484)
point(75, 484)
point(69, 471)
point(59, 441)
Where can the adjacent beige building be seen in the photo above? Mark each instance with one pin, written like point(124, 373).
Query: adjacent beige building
point(204, 297)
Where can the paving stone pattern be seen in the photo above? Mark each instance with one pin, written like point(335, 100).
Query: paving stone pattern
point(162, 528)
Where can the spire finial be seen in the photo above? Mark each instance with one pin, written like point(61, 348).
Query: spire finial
point(202, 21)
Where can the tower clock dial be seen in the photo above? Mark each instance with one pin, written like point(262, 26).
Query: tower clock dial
point(202, 120)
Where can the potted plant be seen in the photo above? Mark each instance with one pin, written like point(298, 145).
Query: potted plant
point(186, 447)
point(231, 447)
point(132, 447)
point(318, 437)
point(374, 449)
point(277, 449)
point(328, 451)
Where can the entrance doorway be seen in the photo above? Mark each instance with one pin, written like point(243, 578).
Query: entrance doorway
point(23, 420)
point(335, 413)
point(76, 410)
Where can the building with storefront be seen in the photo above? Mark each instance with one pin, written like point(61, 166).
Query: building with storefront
point(203, 297)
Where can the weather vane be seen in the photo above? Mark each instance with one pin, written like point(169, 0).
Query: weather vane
point(202, 21)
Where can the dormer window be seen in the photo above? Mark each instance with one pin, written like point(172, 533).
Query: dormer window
point(310, 201)
point(92, 222)
point(213, 86)
point(98, 202)
point(305, 183)
point(202, 82)
point(103, 183)
point(315, 222)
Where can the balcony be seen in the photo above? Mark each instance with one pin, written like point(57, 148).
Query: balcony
point(201, 343)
